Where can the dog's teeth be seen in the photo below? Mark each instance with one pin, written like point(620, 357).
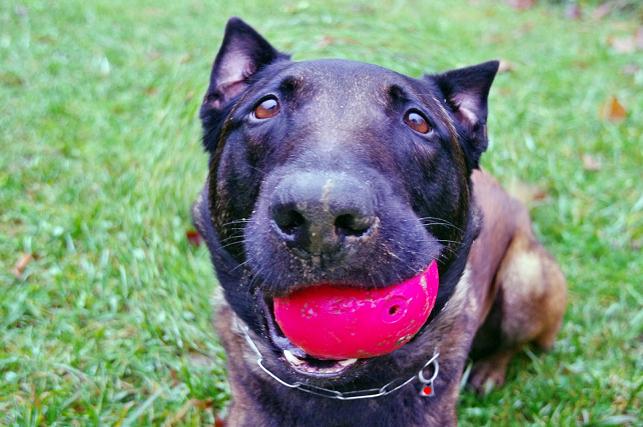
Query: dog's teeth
point(294, 360)
point(347, 362)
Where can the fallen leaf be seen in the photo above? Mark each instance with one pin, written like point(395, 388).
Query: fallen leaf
point(325, 41)
point(200, 359)
point(631, 69)
point(521, 4)
point(21, 11)
point(591, 163)
point(573, 12)
point(202, 403)
point(628, 44)
point(613, 110)
point(505, 66)
point(153, 55)
point(603, 10)
point(526, 192)
point(622, 44)
point(193, 237)
point(22, 263)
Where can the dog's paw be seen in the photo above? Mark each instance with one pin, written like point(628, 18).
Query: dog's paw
point(489, 373)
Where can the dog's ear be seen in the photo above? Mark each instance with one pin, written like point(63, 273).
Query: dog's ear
point(466, 90)
point(243, 52)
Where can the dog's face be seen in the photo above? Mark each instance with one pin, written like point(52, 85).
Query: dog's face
point(334, 172)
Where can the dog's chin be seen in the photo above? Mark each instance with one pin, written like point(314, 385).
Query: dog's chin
point(297, 360)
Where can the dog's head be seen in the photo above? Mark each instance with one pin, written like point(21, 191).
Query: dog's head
point(334, 171)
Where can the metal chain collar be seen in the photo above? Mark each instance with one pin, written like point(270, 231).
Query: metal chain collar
point(426, 390)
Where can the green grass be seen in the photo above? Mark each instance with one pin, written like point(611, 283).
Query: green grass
point(100, 159)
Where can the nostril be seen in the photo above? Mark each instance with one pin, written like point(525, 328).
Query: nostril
point(289, 221)
point(351, 225)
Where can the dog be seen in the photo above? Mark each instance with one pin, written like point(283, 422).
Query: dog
point(341, 172)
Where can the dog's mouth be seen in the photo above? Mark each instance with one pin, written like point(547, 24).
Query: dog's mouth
point(296, 358)
point(325, 330)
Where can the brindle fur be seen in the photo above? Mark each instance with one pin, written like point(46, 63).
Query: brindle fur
point(510, 293)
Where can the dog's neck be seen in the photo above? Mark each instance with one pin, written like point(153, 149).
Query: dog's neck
point(278, 405)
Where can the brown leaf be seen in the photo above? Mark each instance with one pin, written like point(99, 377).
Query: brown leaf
point(631, 69)
point(22, 263)
point(326, 41)
point(613, 110)
point(202, 404)
point(603, 10)
point(573, 12)
point(193, 237)
point(622, 44)
point(591, 163)
point(521, 4)
point(505, 66)
point(526, 192)
point(219, 422)
point(628, 44)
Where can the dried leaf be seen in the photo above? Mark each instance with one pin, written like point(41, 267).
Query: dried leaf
point(505, 66)
point(521, 4)
point(326, 41)
point(636, 244)
point(628, 44)
point(193, 237)
point(613, 110)
point(603, 10)
point(622, 44)
point(526, 192)
point(591, 163)
point(202, 404)
point(631, 69)
point(573, 12)
point(22, 263)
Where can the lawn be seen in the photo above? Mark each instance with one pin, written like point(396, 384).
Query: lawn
point(104, 311)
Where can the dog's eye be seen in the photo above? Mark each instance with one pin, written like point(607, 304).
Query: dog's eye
point(417, 122)
point(267, 108)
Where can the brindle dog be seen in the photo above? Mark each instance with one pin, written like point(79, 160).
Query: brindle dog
point(342, 172)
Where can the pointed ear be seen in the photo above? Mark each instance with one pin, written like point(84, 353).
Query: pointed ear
point(466, 91)
point(243, 52)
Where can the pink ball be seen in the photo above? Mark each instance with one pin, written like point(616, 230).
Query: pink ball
point(332, 322)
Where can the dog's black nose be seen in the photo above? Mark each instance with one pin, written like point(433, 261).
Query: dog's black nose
point(321, 213)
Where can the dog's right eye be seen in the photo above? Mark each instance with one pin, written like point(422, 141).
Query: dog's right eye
point(267, 108)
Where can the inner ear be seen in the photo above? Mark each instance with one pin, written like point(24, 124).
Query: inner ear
point(243, 53)
point(466, 91)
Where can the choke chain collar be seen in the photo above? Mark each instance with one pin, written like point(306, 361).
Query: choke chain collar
point(426, 388)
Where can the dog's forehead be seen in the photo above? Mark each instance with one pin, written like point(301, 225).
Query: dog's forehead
point(350, 79)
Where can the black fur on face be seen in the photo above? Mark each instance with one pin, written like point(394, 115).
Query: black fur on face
point(341, 136)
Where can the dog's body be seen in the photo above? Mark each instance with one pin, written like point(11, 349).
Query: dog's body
point(341, 172)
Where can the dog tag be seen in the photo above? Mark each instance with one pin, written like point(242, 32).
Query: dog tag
point(426, 384)
point(426, 390)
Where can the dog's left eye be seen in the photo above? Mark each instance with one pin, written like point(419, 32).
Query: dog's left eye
point(267, 108)
point(417, 122)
